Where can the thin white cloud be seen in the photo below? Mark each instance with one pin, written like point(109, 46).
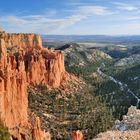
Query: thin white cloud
point(38, 23)
point(43, 24)
point(135, 18)
point(49, 12)
point(93, 10)
point(124, 6)
point(12, 20)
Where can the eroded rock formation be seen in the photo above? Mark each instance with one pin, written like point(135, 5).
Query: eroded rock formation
point(38, 134)
point(24, 61)
point(77, 135)
point(42, 66)
point(24, 41)
point(13, 96)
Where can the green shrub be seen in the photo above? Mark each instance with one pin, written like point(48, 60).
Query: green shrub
point(72, 112)
point(4, 134)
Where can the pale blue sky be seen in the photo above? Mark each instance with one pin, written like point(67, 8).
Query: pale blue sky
point(111, 17)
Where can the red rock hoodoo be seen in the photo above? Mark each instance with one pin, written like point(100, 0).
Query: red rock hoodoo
point(42, 66)
point(24, 61)
point(38, 134)
point(77, 135)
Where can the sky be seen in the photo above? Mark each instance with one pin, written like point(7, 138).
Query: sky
point(71, 17)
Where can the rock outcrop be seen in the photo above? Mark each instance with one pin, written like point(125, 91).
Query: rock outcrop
point(127, 129)
point(77, 135)
point(24, 61)
point(38, 134)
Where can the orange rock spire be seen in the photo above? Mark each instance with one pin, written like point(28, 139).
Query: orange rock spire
point(77, 135)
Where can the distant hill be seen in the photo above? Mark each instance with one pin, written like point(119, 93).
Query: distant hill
point(76, 55)
point(133, 59)
point(96, 38)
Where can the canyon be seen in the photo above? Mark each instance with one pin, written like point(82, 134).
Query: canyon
point(23, 62)
point(40, 100)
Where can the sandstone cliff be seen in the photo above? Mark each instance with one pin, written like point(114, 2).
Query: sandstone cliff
point(24, 61)
point(13, 96)
point(24, 41)
point(42, 66)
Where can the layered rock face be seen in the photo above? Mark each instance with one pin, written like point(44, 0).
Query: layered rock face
point(24, 61)
point(42, 66)
point(24, 41)
point(13, 96)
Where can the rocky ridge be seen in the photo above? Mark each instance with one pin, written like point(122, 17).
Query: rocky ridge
point(81, 56)
point(133, 59)
point(128, 128)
